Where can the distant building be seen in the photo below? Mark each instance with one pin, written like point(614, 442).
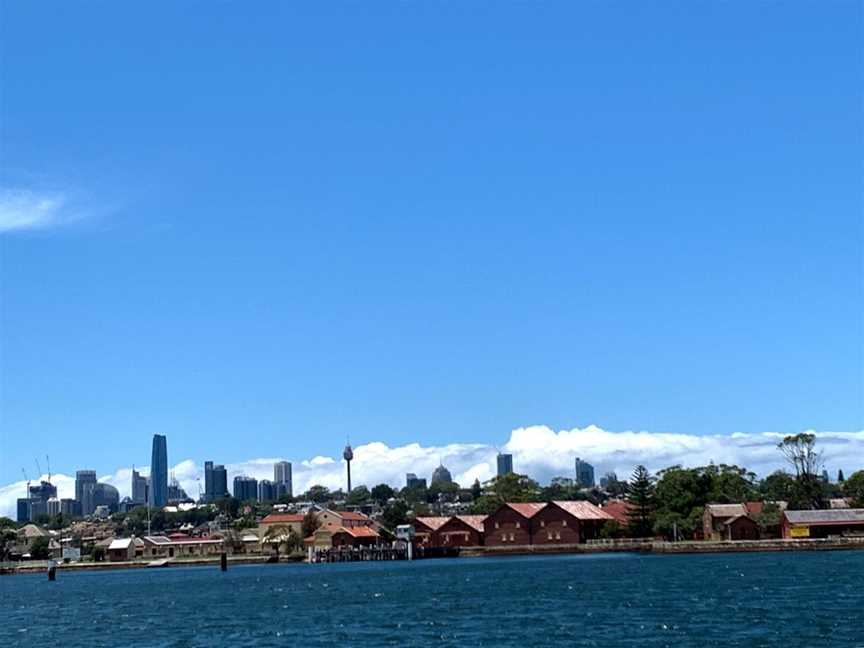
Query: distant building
point(139, 488)
point(441, 476)
point(215, 481)
point(176, 493)
point(821, 524)
point(608, 478)
point(159, 472)
point(53, 506)
point(106, 495)
point(505, 464)
point(266, 491)
point(85, 480)
point(584, 474)
point(245, 488)
point(283, 479)
point(70, 507)
point(23, 509)
point(39, 496)
point(413, 481)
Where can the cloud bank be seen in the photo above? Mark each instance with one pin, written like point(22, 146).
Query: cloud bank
point(537, 450)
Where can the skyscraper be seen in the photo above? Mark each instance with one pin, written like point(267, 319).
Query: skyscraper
point(283, 479)
point(215, 481)
point(159, 472)
point(245, 488)
point(85, 482)
point(505, 464)
point(266, 490)
point(139, 488)
point(584, 473)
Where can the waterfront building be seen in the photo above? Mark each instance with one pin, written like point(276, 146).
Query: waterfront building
point(139, 488)
point(413, 481)
point(159, 472)
point(510, 524)
point(85, 480)
point(283, 479)
point(179, 546)
point(441, 475)
point(584, 474)
point(732, 521)
point(619, 510)
point(505, 464)
point(426, 529)
point(462, 531)
point(290, 521)
point(822, 523)
point(266, 491)
point(245, 488)
point(566, 522)
point(215, 481)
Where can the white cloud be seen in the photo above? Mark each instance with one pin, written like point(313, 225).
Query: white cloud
point(537, 450)
point(22, 209)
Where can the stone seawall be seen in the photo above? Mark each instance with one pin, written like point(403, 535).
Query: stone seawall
point(659, 547)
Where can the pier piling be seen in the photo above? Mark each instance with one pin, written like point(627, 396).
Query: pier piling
point(223, 561)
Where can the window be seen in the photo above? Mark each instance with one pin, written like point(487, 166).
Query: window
point(517, 524)
point(549, 536)
point(503, 537)
point(542, 523)
point(496, 525)
point(563, 522)
point(511, 537)
point(467, 538)
point(557, 535)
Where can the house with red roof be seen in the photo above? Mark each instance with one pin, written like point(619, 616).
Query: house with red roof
point(426, 530)
point(461, 531)
point(565, 522)
point(510, 524)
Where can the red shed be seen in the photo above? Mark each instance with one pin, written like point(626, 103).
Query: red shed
point(461, 531)
point(510, 524)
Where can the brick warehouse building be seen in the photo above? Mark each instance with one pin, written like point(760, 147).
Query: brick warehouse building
point(426, 530)
point(510, 524)
point(461, 531)
point(567, 523)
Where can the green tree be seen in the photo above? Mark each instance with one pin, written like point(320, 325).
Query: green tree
point(310, 523)
point(779, 486)
point(318, 494)
point(640, 497)
point(382, 493)
point(611, 530)
point(39, 548)
point(854, 488)
point(394, 514)
point(561, 488)
point(800, 452)
point(476, 489)
point(768, 519)
point(358, 496)
point(511, 487)
point(8, 538)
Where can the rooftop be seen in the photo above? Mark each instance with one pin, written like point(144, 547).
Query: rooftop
point(832, 516)
point(584, 510)
point(283, 518)
point(433, 523)
point(527, 509)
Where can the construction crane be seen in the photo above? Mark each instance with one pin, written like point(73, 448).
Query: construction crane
point(48, 461)
point(38, 467)
point(27, 479)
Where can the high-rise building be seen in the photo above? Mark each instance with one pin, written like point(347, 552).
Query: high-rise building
point(283, 479)
point(584, 474)
point(85, 481)
point(176, 494)
point(413, 481)
point(505, 464)
point(266, 491)
point(70, 507)
point(106, 495)
point(159, 472)
point(39, 496)
point(607, 479)
point(139, 488)
point(53, 506)
point(23, 509)
point(215, 481)
point(245, 488)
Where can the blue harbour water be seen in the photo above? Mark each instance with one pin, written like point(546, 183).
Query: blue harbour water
point(764, 599)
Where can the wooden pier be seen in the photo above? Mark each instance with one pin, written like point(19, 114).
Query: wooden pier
point(358, 554)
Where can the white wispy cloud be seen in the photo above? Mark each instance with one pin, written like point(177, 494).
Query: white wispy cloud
point(25, 209)
point(537, 450)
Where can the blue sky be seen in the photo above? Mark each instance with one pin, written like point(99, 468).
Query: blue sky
point(260, 230)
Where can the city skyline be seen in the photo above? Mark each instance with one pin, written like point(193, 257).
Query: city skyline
point(537, 451)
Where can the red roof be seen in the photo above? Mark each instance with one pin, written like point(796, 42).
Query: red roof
point(351, 515)
point(282, 518)
point(433, 523)
point(527, 509)
point(583, 510)
point(618, 509)
point(474, 521)
point(359, 531)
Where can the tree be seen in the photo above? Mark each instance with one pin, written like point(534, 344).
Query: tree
point(358, 496)
point(476, 489)
point(562, 488)
point(8, 537)
point(800, 452)
point(779, 486)
point(395, 513)
point(768, 519)
point(611, 529)
point(854, 488)
point(39, 549)
point(318, 494)
point(382, 493)
point(640, 497)
point(840, 478)
point(511, 487)
point(310, 523)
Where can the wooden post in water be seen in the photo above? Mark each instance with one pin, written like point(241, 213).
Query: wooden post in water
point(223, 561)
point(52, 571)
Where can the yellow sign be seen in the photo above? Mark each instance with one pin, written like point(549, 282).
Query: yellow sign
point(800, 532)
